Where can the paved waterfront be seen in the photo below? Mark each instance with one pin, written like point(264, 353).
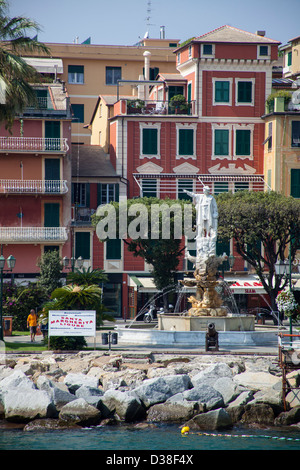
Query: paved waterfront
point(232, 349)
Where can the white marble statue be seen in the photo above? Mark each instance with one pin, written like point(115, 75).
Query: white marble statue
point(206, 226)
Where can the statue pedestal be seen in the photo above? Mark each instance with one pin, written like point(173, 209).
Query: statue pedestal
point(232, 322)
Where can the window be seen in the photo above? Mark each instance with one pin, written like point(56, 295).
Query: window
point(82, 245)
point(113, 248)
point(295, 182)
point(76, 74)
point(107, 192)
point(289, 58)
point(207, 49)
point(186, 142)
point(149, 141)
point(184, 184)
point(244, 92)
point(80, 194)
point(221, 146)
point(220, 187)
point(263, 52)
point(113, 74)
point(149, 187)
point(242, 142)
point(221, 91)
point(241, 186)
point(295, 134)
point(270, 136)
point(78, 112)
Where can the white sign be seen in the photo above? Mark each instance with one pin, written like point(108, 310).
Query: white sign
point(247, 287)
point(72, 323)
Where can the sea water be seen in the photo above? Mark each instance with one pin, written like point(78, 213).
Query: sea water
point(162, 437)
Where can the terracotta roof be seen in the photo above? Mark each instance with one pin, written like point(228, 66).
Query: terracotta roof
point(235, 35)
point(91, 161)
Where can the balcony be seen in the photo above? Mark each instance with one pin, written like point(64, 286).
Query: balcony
point(8, 186)
point(154, 107)
point(33, 145)
point(33, 234)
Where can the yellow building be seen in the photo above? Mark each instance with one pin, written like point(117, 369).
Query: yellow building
point(291, 58)
point(282, 146)
point(90, 70)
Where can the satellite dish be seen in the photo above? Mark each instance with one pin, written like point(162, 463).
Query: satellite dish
point(296, 97)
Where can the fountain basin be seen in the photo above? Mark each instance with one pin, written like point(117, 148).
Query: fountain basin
point(232, 322)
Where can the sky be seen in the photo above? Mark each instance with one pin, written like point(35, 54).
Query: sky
point(121, 22)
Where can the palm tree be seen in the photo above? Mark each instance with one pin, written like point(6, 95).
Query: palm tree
point(15, 74)
point(87, 276)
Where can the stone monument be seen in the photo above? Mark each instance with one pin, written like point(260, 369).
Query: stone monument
point(207, 301)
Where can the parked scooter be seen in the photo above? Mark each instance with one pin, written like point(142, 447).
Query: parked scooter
point(149, 316)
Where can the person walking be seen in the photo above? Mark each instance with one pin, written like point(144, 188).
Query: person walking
point(32, 324)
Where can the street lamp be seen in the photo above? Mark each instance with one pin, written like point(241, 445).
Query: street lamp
point(11, 262)
point(74, 262)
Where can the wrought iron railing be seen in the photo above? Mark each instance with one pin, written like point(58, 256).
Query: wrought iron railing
point(33, 234)
point(9, 186)
point(35, 144)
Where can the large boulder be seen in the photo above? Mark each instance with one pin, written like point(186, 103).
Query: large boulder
point(287, 418)
point(210, 421)
point(55, 391)
point(75, 381)
point(127, 406)
point(23, 405)
point(158, 390)
point(258, 414)
point(172, 412)
point(256, 381)
point(80, 412)
point(227, 388)
point(204, 395)
point(211, 374)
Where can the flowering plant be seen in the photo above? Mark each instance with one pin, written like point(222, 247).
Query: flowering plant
point(286, 303)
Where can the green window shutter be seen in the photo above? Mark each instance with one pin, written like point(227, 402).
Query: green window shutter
point(243, 137)
point(82, 245)
point(113, 248)
point(149, 187)
point(244, 92)
point(221, 92)
point(295, 182)
point(184, 184)
point(220, 187)
point(221, 142)
point(52, 169)
point(99, 190)
point(75, 68)
point(186, 142)
point(117, 191)
point(149, 144)
point(207, 49)
point(78, 112)
point(175, 90)
point(289, 59)
point(189, 92)
point(241, 186)
point(51, 214)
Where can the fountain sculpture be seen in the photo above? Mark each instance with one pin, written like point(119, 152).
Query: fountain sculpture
point(207, 301)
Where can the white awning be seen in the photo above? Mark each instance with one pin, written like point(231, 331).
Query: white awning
point(247, 286)
point(144, 284)
point(45, 65)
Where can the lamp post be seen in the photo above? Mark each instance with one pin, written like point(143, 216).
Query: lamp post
point(285, 268)
point(11, 261)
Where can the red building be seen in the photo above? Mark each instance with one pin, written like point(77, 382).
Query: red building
point(35, 175)
point(159, 147)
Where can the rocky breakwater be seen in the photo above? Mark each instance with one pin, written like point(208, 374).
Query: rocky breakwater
point(205, 392)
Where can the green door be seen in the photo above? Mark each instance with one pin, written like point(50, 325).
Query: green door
point(51, 214)
point(52, 175)
point(295, 182)
point(52, 135)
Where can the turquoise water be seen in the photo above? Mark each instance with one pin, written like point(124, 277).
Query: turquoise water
point(160, 438)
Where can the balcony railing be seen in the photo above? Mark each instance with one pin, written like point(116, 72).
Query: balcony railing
point(33, 234)
point(33, 144)
point(154, 107)
point(8, 186)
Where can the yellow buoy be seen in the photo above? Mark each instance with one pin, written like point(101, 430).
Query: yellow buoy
point(185, 430)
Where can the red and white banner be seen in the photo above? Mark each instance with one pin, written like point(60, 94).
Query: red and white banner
point(72, 323)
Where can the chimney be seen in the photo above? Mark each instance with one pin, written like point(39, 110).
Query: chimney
point(261, 33)
point(162, 32)
point(147, 56)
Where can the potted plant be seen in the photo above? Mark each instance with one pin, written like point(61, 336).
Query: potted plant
point(135, 106)
point(287, 304)
point(179, 105)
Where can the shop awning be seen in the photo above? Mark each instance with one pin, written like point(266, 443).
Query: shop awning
point(45, 65)
point(247, 286)
point(143, 284)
